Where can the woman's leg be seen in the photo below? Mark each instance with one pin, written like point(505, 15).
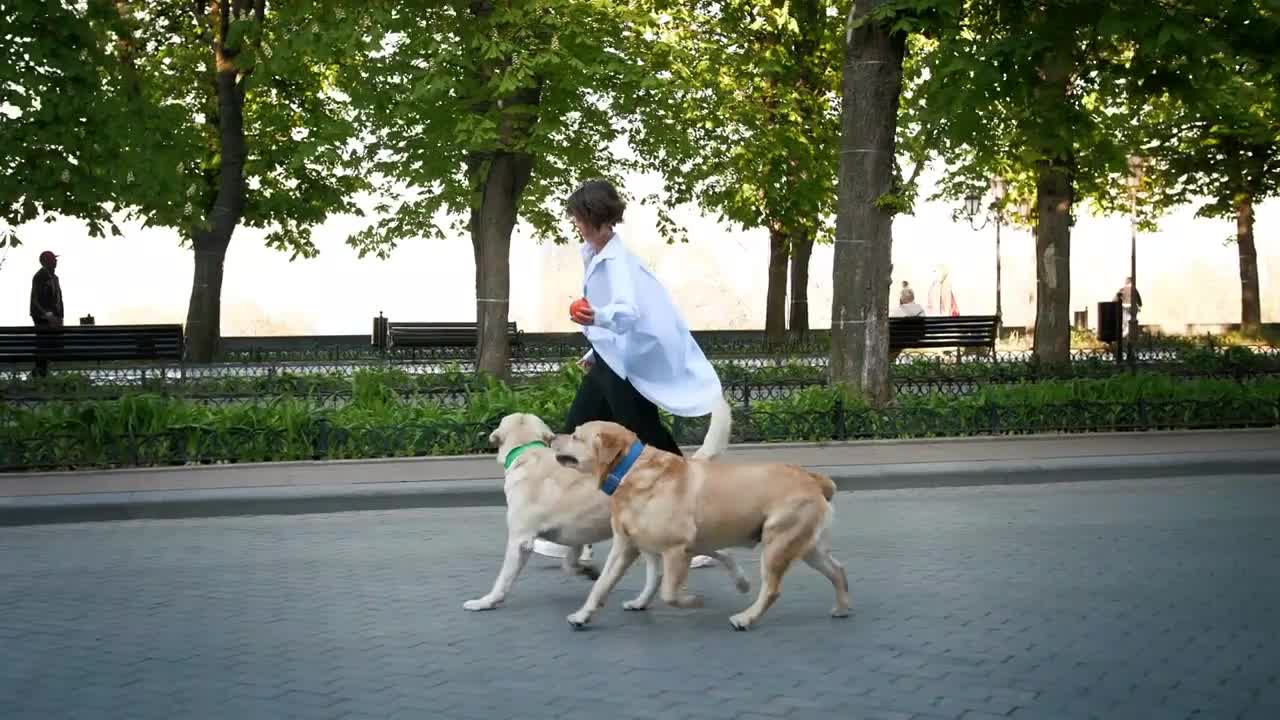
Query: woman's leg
point(590, 403)
point(639, 415)
point(647, 423)
point(634, 411)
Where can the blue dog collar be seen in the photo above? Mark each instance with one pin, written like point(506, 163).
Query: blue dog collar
point(614, 479)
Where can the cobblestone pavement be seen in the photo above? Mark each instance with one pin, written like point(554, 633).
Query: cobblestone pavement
point(1145, 599)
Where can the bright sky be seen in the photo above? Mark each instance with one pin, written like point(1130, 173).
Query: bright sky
point(1185, 272)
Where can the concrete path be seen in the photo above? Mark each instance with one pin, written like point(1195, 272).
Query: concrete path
point(1113, 600)
point(308, 487)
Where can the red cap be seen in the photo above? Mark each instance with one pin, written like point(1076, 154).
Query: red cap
point(47, 255)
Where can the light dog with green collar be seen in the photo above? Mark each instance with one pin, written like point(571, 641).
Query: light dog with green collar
point(548, 501)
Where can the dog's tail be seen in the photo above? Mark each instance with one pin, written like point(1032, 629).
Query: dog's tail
point(717, 439)
point(827, 485)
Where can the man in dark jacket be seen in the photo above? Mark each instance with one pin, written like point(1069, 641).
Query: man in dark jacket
point(1131, 299)
point(46, 304)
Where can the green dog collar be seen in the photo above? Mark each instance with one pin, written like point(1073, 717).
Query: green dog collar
point(516, 453)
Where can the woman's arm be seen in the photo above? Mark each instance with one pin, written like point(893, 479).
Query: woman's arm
point(623, 310)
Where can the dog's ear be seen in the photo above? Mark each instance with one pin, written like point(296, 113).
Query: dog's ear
point(597, 450)
point(607, 445)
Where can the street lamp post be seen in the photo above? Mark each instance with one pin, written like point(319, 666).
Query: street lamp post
point(973, 203)
point(1134, 181)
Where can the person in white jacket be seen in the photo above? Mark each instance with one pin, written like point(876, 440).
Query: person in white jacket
point(642, 356)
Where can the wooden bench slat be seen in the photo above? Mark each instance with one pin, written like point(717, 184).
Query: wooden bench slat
point(938, 332)
point(440, 334)
point(91, 343)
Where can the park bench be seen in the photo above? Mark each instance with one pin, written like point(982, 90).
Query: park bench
point(440, 334)
point(90, 343)
point(962, 331)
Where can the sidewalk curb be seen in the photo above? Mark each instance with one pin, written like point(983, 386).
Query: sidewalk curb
point(294, 500)
point(1052, 470)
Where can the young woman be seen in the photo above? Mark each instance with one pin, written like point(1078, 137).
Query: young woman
point(642, 356)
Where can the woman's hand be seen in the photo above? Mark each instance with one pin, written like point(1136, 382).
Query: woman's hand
point(582, 313)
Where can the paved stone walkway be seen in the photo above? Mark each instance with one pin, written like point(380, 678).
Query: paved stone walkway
point(1122, 599)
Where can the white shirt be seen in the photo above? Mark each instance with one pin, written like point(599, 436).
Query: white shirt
point(640, 335)
point(910, 309)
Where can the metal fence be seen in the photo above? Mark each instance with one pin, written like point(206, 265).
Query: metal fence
point(914, 367)
point(529, 346)
point(318, 439)
point(743, 383)
point(545, 346)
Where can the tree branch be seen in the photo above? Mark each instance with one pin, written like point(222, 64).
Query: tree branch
point(125, 46)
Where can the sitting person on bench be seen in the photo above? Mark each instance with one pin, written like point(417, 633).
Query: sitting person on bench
point(907, 305)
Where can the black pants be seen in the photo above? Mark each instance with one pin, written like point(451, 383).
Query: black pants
point(605, 396)
point(46, 343)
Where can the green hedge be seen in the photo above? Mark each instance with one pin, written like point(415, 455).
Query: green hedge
point(151, 429)
point(1141, 402)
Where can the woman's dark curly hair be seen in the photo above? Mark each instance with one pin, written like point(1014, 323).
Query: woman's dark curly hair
point(596, 203)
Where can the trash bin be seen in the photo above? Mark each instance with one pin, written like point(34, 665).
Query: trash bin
point(1109, 321)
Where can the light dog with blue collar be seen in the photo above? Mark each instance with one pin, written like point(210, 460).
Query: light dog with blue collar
point(662, 504)
point(549, 501)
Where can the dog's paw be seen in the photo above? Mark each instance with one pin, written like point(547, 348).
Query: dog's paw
point(741, 621)
point(579, 619)
point(839, 612)
point(687, 601)
point(743, 585)
point(635, 605)
point(479, 604)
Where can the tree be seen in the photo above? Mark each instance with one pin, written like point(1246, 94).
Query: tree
point(875, 46)
point(63, 128)
point(217, 113)
point(1032, 92)
point(743, 120)
point(481, 114)
point(1212, 129)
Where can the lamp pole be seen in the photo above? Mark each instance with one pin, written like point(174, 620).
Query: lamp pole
point(1135, 181)
point(973, 203)
point(998, 188)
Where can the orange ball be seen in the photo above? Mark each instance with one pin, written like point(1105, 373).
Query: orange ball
point(579, 306)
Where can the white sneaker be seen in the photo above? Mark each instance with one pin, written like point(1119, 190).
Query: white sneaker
point(549, 549)
point(701, 561)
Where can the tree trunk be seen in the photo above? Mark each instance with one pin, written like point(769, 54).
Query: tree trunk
point(801, 251)
point(872, 86)
point(1250, 300)
point(498, 177)
point(775, 301)
point(204, 312)
point(1054, 197)
point(1053, 267)
point(502, 180)
point(813, 28)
